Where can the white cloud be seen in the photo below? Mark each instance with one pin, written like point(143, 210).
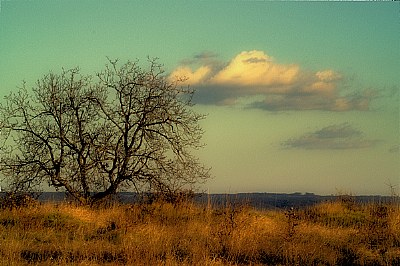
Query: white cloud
point(191, 77)
point(328, 75)
point(281, 86)
point(255, 68)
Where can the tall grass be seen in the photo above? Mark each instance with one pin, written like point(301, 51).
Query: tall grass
point(334, 233)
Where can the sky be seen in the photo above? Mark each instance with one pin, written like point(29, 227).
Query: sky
point(299, 96)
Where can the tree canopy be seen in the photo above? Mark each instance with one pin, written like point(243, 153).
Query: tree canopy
point(126, 127)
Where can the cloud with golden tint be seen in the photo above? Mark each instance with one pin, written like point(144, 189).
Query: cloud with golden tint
point(191, 77)
point(255, 68)
point(278, 87)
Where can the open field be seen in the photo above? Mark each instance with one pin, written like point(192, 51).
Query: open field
point(334, 233)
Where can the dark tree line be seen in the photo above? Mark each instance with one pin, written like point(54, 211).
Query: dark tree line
point(126, 127)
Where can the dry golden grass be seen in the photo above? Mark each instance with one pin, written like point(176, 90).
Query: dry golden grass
point(164, 234)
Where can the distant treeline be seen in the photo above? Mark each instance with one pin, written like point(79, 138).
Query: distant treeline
point(256, 200)
point(283, 200)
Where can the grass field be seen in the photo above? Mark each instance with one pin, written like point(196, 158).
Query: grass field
point(332, 233)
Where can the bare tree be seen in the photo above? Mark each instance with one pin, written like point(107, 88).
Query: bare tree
point(128, 127)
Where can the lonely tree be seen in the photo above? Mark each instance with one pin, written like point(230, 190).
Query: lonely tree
point(126, 127)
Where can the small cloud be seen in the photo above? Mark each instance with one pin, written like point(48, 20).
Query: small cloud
point(255, 60)
point(328, 75)
point(338, 131)
point(334, 137)
point(205, 55)
point(200, 58)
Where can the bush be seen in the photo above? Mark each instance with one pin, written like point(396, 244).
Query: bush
point(15, 200)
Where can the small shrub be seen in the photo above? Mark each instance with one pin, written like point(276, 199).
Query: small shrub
point(347, 256)
point(15, 200)
point(292, 220)
point(38, 256)
point(377, 228)
point(335, 214)
point(348, 201)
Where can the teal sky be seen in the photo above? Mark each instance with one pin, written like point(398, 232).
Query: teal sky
point(300, 96)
